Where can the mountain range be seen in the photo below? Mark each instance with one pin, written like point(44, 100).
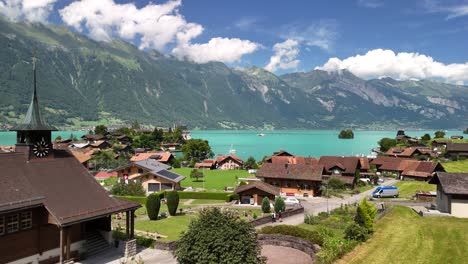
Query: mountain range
point(82, 82)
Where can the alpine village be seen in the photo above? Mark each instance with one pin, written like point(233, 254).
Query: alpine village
point(140, 192)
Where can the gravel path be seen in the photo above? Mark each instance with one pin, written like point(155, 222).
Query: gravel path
point(285, 255)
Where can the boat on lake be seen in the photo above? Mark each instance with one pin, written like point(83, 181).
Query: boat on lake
point(261, 135)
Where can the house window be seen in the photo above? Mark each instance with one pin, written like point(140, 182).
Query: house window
point(2, 225)
point(140, 170)
point(128, 170)
point(26, 220)
point(286, 185)
point(12, 223)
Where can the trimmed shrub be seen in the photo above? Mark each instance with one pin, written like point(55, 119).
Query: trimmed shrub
point(266, 205)
point(279, 206)
point(153, 204)
point(356, 232)
point(313, 236)
point(203, 195)
point(232, 197)
point(172, 198)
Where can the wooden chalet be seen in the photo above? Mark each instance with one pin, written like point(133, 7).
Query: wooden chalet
point(297, 179)
point(255, 191)
point(342, 168)
point(154, 176)
point(407, 169)
point(101, 145)
point(229, 162)
point(452, 193)
point(208, 164)
point(457, 149)
point(51, 209)
point(93, 137)
point(409, 152)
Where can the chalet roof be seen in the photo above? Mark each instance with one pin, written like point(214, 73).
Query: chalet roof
point(452, 183)
point(402, 152)
point(34, 119)
point(94, 137)
point(99, 143)
point(457, 147)
point(410, 167)
point(203, 165)
point(68, 191)
point(260, 185)
point(222, 158)
point(158, 156)
point(364, 163)
point(83, 155)
point(282, 152)
point(155, 168)
point(348, 164)
point(292, 160)
point(291, 171)
point(105, 175)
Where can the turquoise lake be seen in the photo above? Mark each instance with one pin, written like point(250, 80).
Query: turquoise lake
point(314, 143)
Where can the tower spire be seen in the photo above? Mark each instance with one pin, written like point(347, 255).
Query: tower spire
point(33, 119)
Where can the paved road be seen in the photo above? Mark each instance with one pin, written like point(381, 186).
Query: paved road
point(315, 205)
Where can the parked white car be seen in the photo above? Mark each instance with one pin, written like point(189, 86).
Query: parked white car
point(291, 201)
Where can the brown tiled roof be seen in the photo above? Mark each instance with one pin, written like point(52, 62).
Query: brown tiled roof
point(401, 152)
point(203, 165)
point(263, 186)
point(348, 164)
point(105, 174)
point(16, 191)
point(221, 158)
point(158, 156)
point(292, 160)
point(457, 147)
point(291, 171)
point(410, 167)
point(364, 163)
point(452, 183)
point(70, 193)
point(282, 152)
point(83, 155)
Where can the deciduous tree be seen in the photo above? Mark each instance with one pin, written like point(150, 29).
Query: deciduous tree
point(219, 237)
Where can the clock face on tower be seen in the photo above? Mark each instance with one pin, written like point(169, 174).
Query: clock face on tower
point(41, 149)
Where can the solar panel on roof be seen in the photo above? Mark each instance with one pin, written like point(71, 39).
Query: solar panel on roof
point(168, 174)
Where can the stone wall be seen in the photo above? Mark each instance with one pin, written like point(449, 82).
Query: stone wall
point(291, 242)
point(267, 219)
point(170, 246)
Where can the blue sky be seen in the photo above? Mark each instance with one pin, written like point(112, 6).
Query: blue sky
point(401, 39)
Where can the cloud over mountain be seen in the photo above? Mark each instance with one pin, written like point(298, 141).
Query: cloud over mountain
point(378, 63)
point(31, 10)
point(285, 56)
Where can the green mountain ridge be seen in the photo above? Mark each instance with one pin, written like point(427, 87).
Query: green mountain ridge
point(83, 82)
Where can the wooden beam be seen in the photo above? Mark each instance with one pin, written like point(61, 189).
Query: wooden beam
point(61, 245)
point(127, 224)
point(132, 225)
point(68, 242)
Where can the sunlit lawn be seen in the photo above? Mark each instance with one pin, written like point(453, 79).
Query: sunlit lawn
point(206, 201)
point(215, 180)
point(170, 227)
point(456, 166)
point(408, 188)
point(403, 236)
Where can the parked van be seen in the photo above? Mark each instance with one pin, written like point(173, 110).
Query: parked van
point(385, 191)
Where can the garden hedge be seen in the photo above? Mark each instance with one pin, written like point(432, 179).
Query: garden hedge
point(312, 236)
point(203, 195)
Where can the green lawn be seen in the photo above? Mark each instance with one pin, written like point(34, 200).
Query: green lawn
point(206, 201)
point(409, 188)
point(170, 227)
point(456, 166)
point(215, 180)
point(402, 236)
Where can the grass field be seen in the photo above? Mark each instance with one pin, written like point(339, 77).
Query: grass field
point(206, 201)
point(214, 179)
point(409, 188)
point(402, 236)
point(456, 166)
point(170, 227)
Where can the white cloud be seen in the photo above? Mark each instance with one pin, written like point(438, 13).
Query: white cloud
point(285, 56)
point(321, 34)
point(217, 49)
point(452, 11)
point(153, 26)
point(246, 23)
point(370, 3)
point(31, 10)
point(377, 63)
